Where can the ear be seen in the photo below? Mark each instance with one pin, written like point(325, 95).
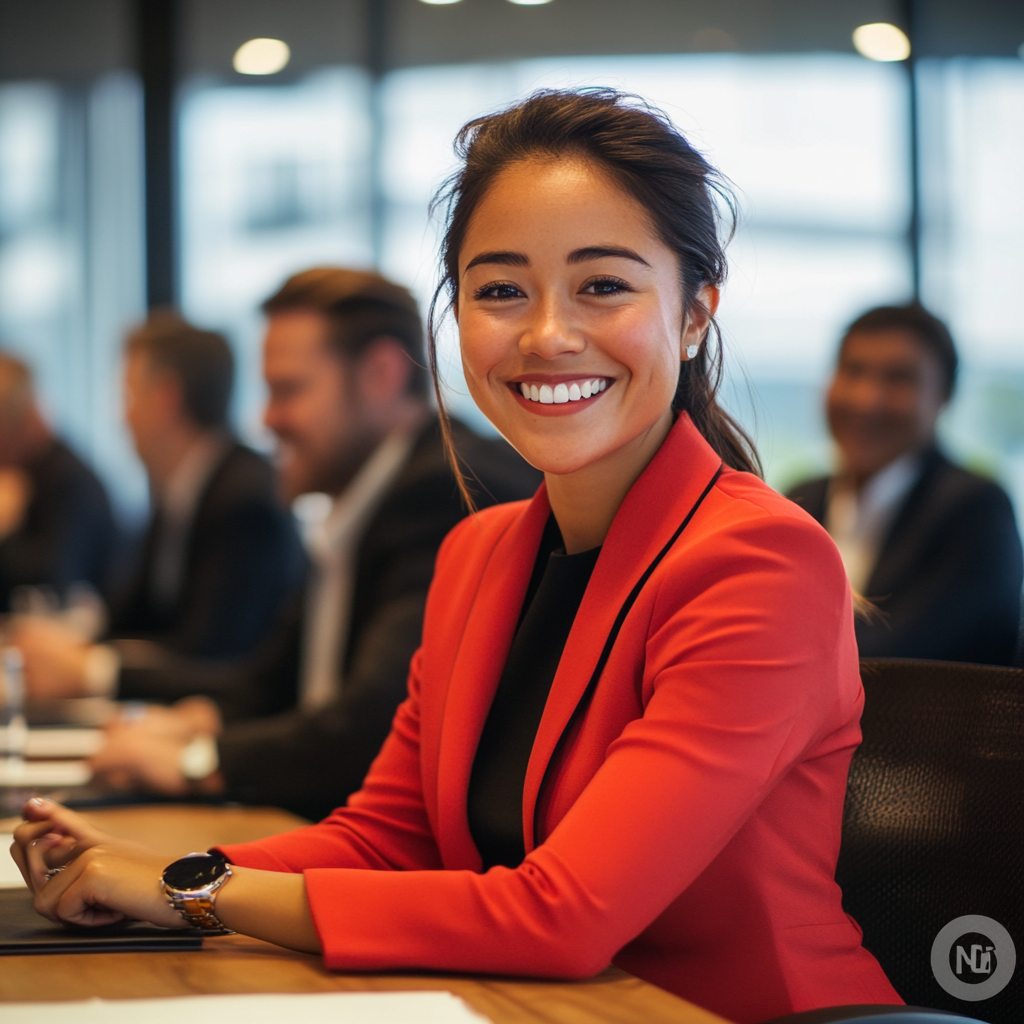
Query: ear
point(698, 320)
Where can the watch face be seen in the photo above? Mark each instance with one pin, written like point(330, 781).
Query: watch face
point(195, 871)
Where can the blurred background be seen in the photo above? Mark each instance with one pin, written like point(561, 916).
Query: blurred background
point(152, 152)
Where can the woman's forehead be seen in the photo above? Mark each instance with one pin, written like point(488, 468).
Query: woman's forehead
point(542, 201)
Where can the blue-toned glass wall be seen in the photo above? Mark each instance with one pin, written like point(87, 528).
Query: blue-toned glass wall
point(273, 179)
point(71, 262)
point(973, 251)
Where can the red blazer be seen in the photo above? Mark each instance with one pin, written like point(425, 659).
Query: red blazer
point(682, 818)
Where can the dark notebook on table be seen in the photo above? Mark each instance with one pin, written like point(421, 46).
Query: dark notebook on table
point(23, 931)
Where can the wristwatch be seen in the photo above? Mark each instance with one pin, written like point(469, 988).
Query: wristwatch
point(191, 885)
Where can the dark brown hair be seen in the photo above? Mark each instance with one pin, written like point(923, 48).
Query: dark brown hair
point(652, 162)
point(360, 306)
point(929, 330)
point(201, 360)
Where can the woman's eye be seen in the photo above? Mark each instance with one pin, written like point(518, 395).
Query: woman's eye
point(605, 286)
point(498, 290)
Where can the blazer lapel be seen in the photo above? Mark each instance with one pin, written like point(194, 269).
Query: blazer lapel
point(476, 671)
point(652, 511)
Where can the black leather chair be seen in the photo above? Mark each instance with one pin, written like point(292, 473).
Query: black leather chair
point(933, 831)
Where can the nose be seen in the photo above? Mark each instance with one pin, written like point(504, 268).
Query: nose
point(551, 332)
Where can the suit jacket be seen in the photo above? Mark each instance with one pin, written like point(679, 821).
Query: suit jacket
point(949, 572)
point(682, 815)
point(309, 763)
point(68, 533)
point(243, 560)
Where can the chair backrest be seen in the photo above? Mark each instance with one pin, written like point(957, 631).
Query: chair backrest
point(933, 831)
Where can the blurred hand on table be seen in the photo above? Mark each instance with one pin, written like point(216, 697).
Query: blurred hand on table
point(144, 752)
point(56, 657)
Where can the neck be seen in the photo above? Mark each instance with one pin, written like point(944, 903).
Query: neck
point(858, 477)
point(584, 503)
point(408, 415)
point(175, 444)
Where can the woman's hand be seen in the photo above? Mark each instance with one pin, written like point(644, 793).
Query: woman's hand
point(101, 880)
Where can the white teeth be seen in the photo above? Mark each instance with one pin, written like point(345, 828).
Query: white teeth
point(562, 393)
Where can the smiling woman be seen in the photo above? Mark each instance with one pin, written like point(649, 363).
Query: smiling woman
point(630, 722)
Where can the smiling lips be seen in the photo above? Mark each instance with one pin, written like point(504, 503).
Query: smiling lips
point(570, 391)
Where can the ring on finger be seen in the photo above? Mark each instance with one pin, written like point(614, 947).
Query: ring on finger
point(53, 872)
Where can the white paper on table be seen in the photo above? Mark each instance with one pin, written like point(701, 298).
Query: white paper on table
point(307, 1007)
point(63, 742)
point(10, 876)
point(44, 773)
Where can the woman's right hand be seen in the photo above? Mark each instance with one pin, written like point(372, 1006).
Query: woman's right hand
point(50, 837)
point(99, 880)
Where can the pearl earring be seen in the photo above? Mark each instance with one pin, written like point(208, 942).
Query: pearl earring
point(691, 351)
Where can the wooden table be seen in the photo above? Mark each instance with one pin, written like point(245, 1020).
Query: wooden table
point(239, 964)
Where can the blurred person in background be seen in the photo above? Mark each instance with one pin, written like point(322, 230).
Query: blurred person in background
point(348, 398)
point(56, 525)
point(220, 554)
point(933, 546)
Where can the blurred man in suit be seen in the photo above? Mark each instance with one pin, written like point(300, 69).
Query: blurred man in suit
point(56, 525)
point(349, 403)
point(934, 547)
point(221, 553)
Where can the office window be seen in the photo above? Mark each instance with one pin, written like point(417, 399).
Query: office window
point(816, 147)
point(973, 164)
point(71, 256)
point(273, 179)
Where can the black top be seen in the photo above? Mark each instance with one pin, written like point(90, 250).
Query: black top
point(495, 801)
point(948, 576)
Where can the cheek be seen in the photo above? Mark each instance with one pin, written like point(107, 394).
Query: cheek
point(482, 345)
point(645, 348)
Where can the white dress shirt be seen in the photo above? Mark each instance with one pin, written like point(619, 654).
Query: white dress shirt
point(858, 521)
point(332, 544)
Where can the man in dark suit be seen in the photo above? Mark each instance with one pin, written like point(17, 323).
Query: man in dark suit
point(56, 525)
point(348, 400)
point(221, 553)
point(934, 547)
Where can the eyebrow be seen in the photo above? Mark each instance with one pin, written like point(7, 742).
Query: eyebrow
point(507, 259)
point(597, 252)
point(585, 255)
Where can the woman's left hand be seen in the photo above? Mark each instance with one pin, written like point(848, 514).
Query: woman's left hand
point(101, 880)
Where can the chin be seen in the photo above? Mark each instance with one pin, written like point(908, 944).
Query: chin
point(558, 461)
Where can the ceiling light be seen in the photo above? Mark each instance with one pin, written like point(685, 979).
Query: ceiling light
point(439, 2)
point(261, 57)
point(530, 3)
point(881, 41)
